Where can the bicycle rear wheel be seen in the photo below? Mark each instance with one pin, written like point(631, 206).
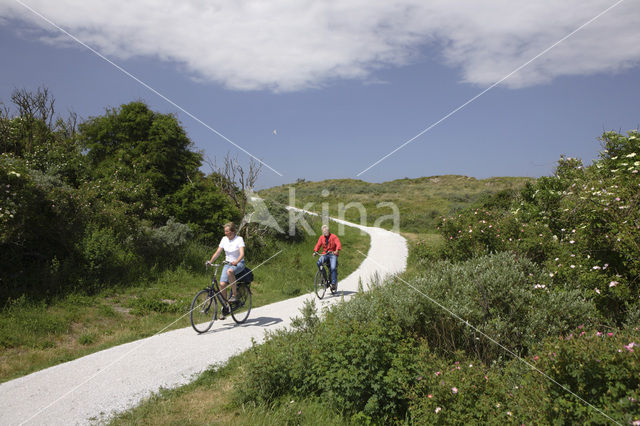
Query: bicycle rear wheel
point(320, 284)
point(241, 308)
point(203, 311)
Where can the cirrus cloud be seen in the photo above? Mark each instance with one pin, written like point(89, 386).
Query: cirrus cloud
point(287, 45)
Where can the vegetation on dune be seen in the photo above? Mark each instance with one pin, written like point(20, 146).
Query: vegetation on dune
point(521, 302)
point(525, 310)
point(105, 226)
point(420, 202)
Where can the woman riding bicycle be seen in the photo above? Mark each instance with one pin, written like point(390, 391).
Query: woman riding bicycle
point(233, 246)
point(331, 247)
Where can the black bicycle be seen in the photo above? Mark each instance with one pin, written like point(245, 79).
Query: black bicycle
point(322, 282)
point(204, 308)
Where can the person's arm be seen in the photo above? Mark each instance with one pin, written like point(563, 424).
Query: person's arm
point(318, 244)
point(235, 263)
point(215, 255)
point(338, 245)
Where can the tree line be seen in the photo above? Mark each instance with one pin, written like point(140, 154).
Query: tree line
point(86, 204)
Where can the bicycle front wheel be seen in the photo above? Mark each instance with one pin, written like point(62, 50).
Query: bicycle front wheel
point(241, 308)
point(203, 311)
point(320, 284)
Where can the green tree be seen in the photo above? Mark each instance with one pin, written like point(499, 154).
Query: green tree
point(202, 205)
point(138, 156)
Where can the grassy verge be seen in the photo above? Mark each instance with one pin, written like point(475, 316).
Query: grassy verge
point(36, 335)
point(209, 400)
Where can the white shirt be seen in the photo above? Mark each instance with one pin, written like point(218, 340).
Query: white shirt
point(232, 247)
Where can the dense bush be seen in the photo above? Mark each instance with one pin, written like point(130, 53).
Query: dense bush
point(601, 368)
point(582, 225)
point(110, 202)
point(365, 354)
point(356, 366)
point(40, 219)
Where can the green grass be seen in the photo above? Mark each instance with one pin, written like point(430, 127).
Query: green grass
point(421, 202)
point(208, 400)
point(36, 335)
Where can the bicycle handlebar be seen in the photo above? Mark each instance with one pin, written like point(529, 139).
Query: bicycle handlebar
point(208, 263)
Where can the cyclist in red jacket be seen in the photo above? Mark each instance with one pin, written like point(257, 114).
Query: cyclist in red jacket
point(330, 244)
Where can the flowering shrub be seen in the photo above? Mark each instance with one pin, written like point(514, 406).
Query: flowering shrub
point(602, 368)
point(582, 225)
point(365, 356)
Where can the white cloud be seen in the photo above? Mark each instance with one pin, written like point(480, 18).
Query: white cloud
point(288, 45)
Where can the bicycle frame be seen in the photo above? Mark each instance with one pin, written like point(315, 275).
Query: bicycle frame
point(324, 270)
point(205, 298)
point(214, 289)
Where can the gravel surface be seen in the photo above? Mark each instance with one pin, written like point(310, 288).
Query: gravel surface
point(93, 388)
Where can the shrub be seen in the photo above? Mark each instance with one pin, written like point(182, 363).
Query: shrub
point(355, 366)
point(109, 259)
point(603, 370)
point(365, 354)
point(581, 225)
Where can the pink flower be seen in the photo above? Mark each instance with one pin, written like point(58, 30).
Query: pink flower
point(599, 333)
point(429, 396)
point(630, 346)
point(609, 334)
point(438, 373)
point(613, 283)
point(535, 358)
point(438, 409)
point(454, 390)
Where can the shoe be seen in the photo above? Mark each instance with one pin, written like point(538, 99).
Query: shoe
point(233, 299)
point(334, 287)
point(224, 313)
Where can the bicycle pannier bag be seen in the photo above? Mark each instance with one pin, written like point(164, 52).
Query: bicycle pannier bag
point(246, 275)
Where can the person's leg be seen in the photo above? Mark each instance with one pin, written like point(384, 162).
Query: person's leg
point(321, 261)
point(223, 292)
point(232, 279)
point(333, 263)
point(224, 281)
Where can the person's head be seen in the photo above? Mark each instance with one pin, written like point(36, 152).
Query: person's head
point(230, 229)
point(325, 230)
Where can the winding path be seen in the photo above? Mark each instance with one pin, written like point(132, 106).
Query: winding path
point(93, 388)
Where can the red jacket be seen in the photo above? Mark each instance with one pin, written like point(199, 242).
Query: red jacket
point(334, 244)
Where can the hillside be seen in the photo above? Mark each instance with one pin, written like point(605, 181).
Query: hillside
point(420, 202)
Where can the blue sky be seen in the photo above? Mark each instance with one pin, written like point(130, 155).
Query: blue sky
point(345, 83)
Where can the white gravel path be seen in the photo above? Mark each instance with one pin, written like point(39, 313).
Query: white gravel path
point(93, 388)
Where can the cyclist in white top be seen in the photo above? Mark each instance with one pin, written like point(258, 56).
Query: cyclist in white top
point(233, 246)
